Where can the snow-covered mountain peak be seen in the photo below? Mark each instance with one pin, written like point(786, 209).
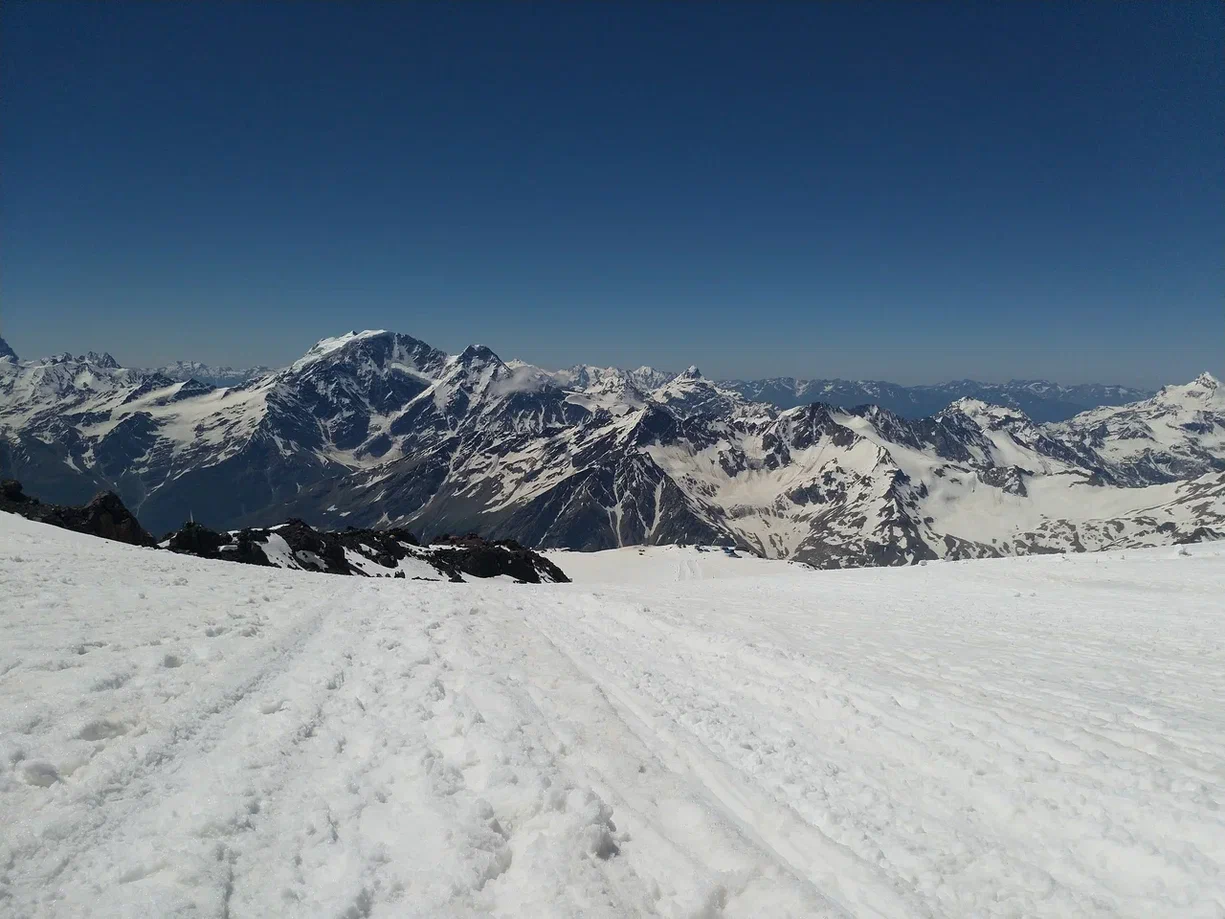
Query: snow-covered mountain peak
point(1207, 382)
point(1202, 393)
point(588, 377)
point(967, 406)
point(7, 353)
point(371, 354)
point(690, 373)
point(690, 394)
point(326, 346)
point(986, 414)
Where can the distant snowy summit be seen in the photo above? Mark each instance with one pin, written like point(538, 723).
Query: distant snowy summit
point(178, 371)
point(378, 429)
point(182, 371)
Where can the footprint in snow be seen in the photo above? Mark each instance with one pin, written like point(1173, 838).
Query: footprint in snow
point(102, 729)
point(114, 681)
point(39, 774)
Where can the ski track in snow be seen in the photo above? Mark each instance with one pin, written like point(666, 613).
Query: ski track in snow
point(1025, 737)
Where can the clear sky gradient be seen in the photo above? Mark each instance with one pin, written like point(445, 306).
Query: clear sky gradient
point(913, 192)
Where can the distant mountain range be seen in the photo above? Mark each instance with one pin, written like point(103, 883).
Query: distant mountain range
point(183, 371)
point(1041, 400)
point(380, 429)
point(179, 371)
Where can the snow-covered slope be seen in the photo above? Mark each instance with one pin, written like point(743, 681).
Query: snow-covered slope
point(1021, 737)
point(378, 429)
point(643, 565)
point(1178, 433)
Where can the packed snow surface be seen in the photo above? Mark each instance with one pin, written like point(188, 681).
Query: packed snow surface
point(1038, 736)
point(664, 564)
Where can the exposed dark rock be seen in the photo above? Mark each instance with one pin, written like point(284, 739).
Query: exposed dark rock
point(1010, 479)
point(103, 360)
point(483, 559)
point(196, 539)
point(314, 550)
point(342, 552)
point(103, 516)
point(1201, 534)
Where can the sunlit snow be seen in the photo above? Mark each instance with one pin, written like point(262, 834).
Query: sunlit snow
point(682, 733)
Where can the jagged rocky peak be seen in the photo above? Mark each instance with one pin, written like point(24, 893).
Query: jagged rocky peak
point(585, 377)
point(6, 352)
point(690, 373)
point(650, 376)
point(1204, 391)
point(102, 360)
point(478, 354)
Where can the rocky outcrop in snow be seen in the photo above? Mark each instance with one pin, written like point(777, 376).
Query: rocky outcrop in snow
point(365, 553)
point(296, 545)
point(104, 516)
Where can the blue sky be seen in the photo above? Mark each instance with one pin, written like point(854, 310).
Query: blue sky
point(913, 192)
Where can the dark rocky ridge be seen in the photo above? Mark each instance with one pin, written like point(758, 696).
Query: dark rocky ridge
point(313, 550)
point(104, 516)
point(356, 551)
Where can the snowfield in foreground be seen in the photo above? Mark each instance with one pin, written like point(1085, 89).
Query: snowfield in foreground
point(1036, 736)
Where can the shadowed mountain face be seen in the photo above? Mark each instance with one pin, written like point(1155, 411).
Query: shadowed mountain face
point(378, 429)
